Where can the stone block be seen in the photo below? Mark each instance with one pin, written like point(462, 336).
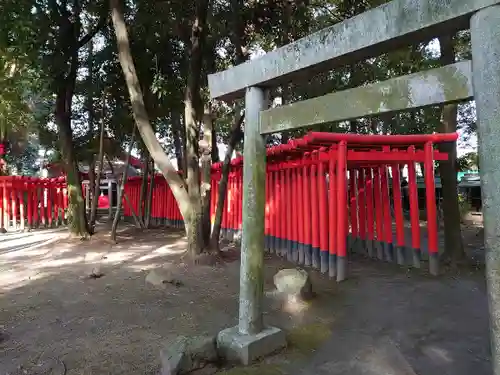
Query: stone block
point(246, 349)
point(186, 354)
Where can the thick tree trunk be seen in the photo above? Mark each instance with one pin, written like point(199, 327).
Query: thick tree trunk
point(141, 117)
point(77, 218)
point(454, 248)
point(193, 112)
point(121, 190)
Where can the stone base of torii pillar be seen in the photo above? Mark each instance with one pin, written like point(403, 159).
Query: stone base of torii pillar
point(251, 340)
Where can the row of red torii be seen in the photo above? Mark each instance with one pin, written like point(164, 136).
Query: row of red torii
point(326, 193)
point(329, 193)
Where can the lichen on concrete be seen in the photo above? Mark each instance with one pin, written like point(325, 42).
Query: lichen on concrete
point(441, 85)
point(252, 247)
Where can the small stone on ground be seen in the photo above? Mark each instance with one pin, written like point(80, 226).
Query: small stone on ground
point(186, 354)
point(160, 277)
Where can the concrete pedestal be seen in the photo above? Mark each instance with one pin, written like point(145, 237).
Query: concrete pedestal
point(245, 349)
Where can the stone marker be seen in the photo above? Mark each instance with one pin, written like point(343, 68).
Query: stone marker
point(294, 283)
point(186, 354)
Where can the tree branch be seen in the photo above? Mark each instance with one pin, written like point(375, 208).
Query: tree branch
point(87, 38)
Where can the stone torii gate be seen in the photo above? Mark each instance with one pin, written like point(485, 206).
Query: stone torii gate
point(380, 30)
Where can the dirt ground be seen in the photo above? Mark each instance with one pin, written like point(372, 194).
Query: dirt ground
point(50, 311)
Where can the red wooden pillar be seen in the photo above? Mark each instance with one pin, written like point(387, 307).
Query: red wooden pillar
point(299, 201)
point(323, 211)
point(398, 214)
point(29, 201)
point(2, 207)
point(6, 201)
point(288, 204)
point(430, 193)
point(362, 209)
point(379, 215)
point(60, 201)
point(295, 214)
point(341, 211)
point(306, 198)
point(55, 194)
point(273, 207)
point(414, 209)
point(224, 213)
point(316, 261)
point(370, 228)
point(283, 223)
point(50, 188)
point(240, 199)
point(332, 213)
point(291, 213)
point(275, 223)
point(19, 192)
point(353, 209)
point(386, 210)
point(13, 199)
point(267, 212)
point(230, 207)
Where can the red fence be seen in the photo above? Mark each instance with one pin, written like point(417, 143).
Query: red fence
point(328, 194)
point(32, 202)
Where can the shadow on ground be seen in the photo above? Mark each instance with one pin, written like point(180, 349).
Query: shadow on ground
point(383, 320)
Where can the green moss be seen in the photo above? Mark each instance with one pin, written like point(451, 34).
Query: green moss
point(307, 338)
point(259, 369)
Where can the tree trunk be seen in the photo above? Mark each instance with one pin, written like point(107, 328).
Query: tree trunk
point(215, 149)
point(236, 136)
point(454, 248)
point(93, 210)
point(77, 218)
point(141, 117)
point(193, 111)
point(177, 135)
point(206, 172)
point(121, 190)
point(144, 186)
